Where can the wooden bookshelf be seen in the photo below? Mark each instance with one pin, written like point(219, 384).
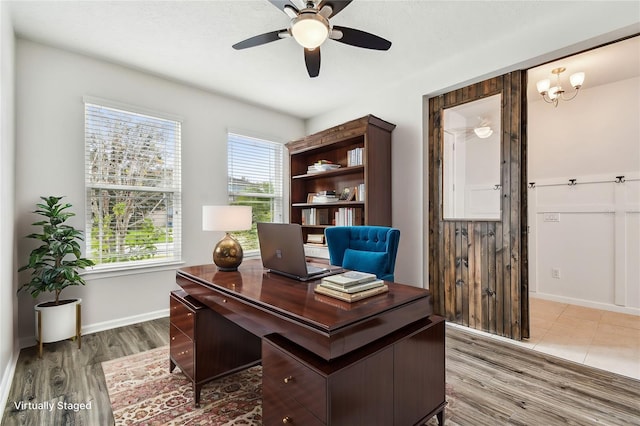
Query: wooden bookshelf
point(370, 166)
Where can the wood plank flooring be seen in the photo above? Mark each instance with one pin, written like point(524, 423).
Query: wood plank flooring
point(66, 375)
point(489, 382)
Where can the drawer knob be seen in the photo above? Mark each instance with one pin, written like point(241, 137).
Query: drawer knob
point(189, 314)
point(287, 420)
point(224, 300)
point(288, 379)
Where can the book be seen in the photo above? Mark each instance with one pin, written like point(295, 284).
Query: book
point(315, 238)
point(324, 199)
point(316, 250)
point(354, 288)
point(350, 278)
point(348, 216)
point(361, 192)
point(353, 297)
point(355, 157)
point(322, 167)
point(314, 216)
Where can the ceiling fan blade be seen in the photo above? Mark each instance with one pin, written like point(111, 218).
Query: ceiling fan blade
point(336, 6)
point(261, 39)
point(360, 38)
point(280, 4)
point(312, 59)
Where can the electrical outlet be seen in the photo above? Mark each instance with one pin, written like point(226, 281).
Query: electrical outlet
point(551, 217)
point(555, 273)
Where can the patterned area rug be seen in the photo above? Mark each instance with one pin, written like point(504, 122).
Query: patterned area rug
point(489, 382)
point(143, 392)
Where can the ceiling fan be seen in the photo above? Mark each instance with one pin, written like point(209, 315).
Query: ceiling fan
point(482, 131)
point(310, 27)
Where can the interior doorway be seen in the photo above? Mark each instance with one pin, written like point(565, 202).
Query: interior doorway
point(583, 197)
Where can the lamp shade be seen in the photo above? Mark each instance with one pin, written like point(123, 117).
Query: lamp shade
point(543, 85)
point(226, 218)
point(577, 79)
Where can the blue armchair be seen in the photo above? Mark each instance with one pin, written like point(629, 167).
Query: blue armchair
point(370, 249)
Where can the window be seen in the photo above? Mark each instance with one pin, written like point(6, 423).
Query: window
point(132, 180)
point(255, 179)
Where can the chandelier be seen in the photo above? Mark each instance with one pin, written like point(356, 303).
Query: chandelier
point(553, 94)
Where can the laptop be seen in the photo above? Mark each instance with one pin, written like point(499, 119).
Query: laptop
point(282, 252)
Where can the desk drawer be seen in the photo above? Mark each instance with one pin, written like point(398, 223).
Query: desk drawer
point(288, 376)
point(181, 316)
point(181, 350)
point(278, 409)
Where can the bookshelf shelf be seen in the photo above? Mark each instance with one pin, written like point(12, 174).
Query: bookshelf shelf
point(329, 173)
point(327, 205)
point(362, 148)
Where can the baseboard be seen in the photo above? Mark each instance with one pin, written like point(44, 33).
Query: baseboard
point(27, 342)
point(121, 322)
point(586, 303)
point(7, 379)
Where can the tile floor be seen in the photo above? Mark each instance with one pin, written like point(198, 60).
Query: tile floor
point(602, 339)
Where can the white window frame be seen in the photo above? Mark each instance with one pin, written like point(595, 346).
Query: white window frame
point(171, 188)
point(244, 167)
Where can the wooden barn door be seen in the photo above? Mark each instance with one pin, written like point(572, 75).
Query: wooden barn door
point(478, 268)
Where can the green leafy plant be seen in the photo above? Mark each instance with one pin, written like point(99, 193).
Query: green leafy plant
point(56, 264)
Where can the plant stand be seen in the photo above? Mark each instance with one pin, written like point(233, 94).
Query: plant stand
point(78, 327)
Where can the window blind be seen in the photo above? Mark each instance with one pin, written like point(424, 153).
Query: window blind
point(133, 185)
point(255, 179)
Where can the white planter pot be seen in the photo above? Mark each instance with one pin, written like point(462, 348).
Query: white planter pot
point(58, 322)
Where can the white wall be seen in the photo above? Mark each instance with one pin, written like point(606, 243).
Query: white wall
point(403, 105)
point(49, 130)
point(596, 133)
point(595, 242)
point(50, 161)
point(7, 242)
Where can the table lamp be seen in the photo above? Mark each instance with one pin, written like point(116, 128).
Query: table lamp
point(227, 254)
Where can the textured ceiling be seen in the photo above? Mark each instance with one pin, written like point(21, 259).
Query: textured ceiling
point(190, 41)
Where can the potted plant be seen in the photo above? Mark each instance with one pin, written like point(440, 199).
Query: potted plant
point(55, 265)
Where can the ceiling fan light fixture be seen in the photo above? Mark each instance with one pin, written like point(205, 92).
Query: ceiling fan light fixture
point(483, 132)
point(310, 27)
point(310, 30)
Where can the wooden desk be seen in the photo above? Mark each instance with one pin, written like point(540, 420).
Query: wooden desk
point(376, 361)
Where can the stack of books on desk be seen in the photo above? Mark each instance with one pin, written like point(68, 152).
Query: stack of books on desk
point(351, 286)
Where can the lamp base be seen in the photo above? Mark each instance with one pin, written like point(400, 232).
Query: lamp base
point(228, 254)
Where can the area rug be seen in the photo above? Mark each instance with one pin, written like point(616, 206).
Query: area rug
point(489, 382)
point(143, 392)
